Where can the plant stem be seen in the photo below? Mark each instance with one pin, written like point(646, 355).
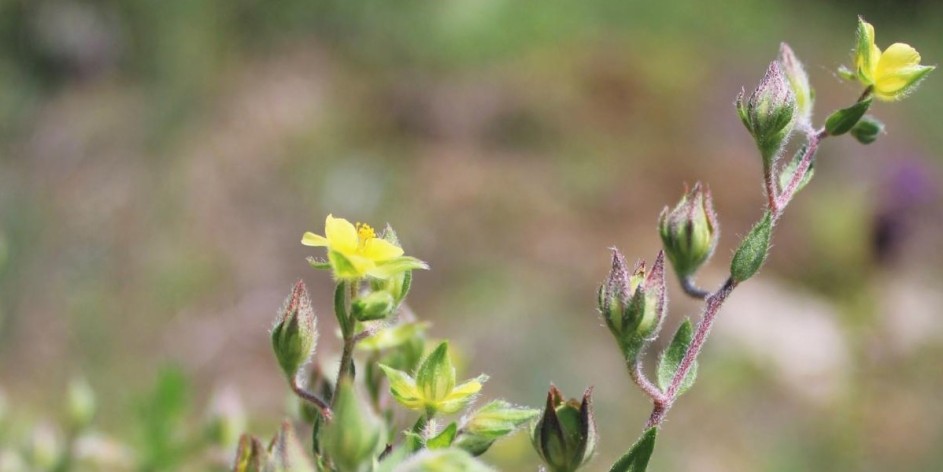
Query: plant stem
point(712, 307)
point(690, 288)
point(777, 207)
point(638, 376)
point(313, 398)
point(343, 369)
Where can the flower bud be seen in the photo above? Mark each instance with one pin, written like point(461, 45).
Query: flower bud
point(867, 130)
point(80, 405)
point(294, 336)
point(634, 306)
point(287, 453)
point(689, 232)
point(769, 113)
point(490, 423)
point(250, 455)
point(799, 82)
point(226, 419)
point(356, 435)
point(565, 435)
point(373, 306)
point(45, 447)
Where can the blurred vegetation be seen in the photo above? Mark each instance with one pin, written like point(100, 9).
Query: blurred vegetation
point(161, 158)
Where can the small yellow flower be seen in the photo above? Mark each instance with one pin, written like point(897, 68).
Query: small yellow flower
point(355, 251)
point(433, 389)
point(893, 73)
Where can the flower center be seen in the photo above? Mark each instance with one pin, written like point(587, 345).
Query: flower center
point(365, 233)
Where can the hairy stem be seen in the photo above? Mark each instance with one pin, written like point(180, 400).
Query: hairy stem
point(646, 385)
point(712, 307)
point(692, 290)
point(780, 202)
point(312, 398)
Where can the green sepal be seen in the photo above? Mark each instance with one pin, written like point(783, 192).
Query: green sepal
point(867, 130)
point(435, 377)
point(789, 170)
point(340, 309)
point(443, 439)
point(397, 265)
point(636, 460)
point(392, 337)
point(671, 359)
point(373, 306)
point(753, 250)
point(343, 267)
point(845, 73)
point(251, 456)
point(842, 121)
point(319, 264)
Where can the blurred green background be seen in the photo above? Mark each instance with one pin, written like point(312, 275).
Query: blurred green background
point(161, 159)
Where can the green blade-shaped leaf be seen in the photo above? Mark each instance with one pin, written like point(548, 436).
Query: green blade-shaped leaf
point(636, 460)
point(443, 439)
point(671, 359)
point(843, 120)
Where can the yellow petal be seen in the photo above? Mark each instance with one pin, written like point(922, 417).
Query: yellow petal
point(341, 234)
point(897, 70)
point(898, 56)
point(316, 240)
point(380, 249)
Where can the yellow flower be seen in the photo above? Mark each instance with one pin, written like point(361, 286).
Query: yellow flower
point(892, 74)
point(433, 389)
point(355, 251)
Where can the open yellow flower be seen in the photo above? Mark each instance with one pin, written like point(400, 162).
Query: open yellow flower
point(355, 251)
point(893, 73)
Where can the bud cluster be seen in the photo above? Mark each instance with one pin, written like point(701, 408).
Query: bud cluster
point(770, 112)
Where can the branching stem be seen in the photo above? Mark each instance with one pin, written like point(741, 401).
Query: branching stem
point(312, 398)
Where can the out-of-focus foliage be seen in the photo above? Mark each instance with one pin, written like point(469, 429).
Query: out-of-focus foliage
point(159, 158)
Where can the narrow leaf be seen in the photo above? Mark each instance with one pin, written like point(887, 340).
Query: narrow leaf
point(843, 120)
point(752, 252)
point(671, 359)
point(443, 439)
point(636, 460)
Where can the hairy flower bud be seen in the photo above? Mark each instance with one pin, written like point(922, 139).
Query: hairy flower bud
point(80, 404)
point(633, 306)
point(769, 112)
point(489, 423)
point(565, 435)
point(251, 456)
point(373, 306)
point(799, 82)
point(689, 231)
point(294, 336)
point(356, 434)
point(287, 453)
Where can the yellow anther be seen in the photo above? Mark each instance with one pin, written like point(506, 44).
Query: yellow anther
point(365, 232)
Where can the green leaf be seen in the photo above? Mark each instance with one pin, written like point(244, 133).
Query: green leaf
point(636, 460)
point(752, 252)
point(443, 439)
point(867, 130)
point(671, 359)
point(843, 120)
point(789, 170)
point(340, 309)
